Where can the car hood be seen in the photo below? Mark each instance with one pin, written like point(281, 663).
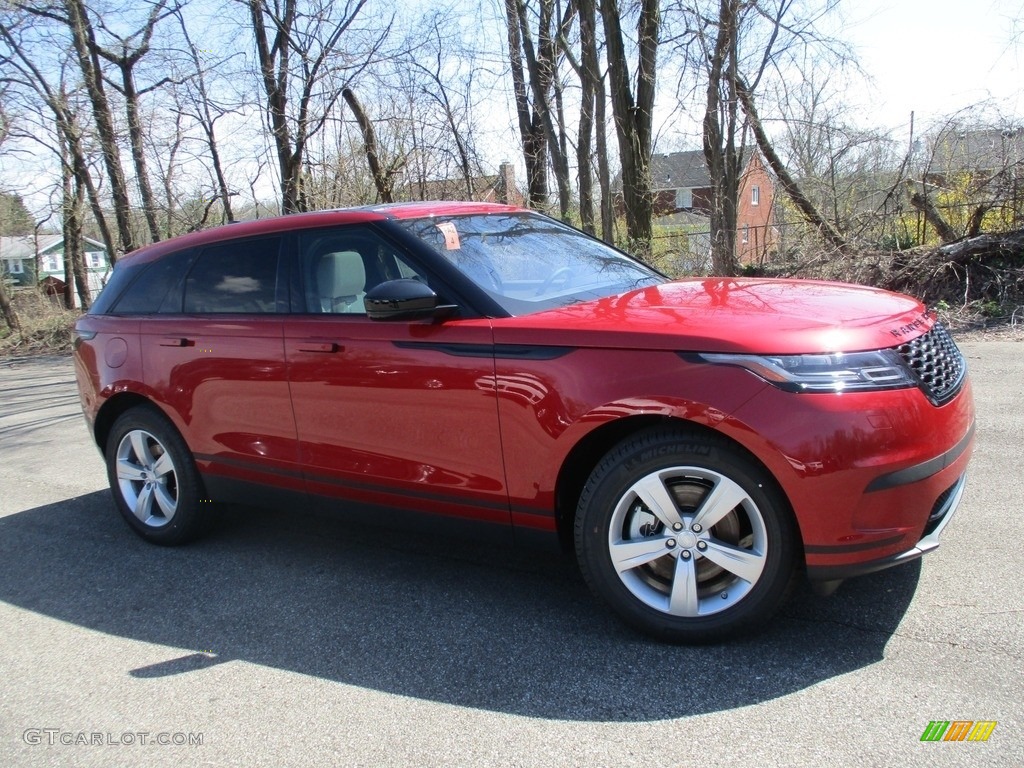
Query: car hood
point(729, 315)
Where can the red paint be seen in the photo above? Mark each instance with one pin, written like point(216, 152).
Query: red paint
point(387, 413)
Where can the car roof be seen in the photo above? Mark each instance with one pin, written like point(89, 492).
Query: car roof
point(297, 221)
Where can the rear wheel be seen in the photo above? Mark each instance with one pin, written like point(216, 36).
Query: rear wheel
point(154, 480)
point(685, 537)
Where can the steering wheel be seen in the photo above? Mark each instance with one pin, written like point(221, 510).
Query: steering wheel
point(562, 274)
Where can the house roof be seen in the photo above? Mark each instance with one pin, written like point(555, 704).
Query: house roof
point(679, 170)
point(500, 187)
point(17, 247)
point(453, 189)
point(983, 150)
point(24, 246)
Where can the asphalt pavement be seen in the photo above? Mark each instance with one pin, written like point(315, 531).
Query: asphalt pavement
point(286, 639)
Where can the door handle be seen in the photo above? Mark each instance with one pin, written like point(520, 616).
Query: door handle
point(319, 346)
point(176, 342)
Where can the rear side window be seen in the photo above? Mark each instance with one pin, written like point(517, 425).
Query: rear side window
point(239, 277)
point(158, 288)
point(121, 278)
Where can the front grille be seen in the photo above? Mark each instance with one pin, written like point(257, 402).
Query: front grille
point(936, 363)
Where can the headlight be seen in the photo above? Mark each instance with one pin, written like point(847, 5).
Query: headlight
point(839, 372)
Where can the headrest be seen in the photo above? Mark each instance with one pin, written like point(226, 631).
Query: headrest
point(340, 274)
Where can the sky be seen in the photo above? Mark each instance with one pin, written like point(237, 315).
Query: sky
point(932, 57)
point(937, 56)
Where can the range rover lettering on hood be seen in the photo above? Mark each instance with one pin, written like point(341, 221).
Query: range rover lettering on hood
point(903, 330)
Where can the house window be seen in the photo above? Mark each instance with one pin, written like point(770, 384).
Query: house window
point(95, 259)
point(684, 198)
point(15, 267)
point(51, 263)
point(755, 195)
point(746, 233)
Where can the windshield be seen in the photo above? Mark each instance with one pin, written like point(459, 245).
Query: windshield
point(528, 262)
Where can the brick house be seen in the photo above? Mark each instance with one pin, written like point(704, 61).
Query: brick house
point(682, 185)
point(492, 188)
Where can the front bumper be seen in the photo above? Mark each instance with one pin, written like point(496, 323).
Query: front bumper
point(872, 478)
point(830, 575)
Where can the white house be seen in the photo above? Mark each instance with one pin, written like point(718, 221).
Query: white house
point(29, 260)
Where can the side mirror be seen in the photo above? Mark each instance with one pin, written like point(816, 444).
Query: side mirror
point(404, 299)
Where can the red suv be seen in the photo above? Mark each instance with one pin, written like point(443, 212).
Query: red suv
point(698, 442)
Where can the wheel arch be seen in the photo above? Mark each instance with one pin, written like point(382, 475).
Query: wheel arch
point(112, 409)
point(588, 452)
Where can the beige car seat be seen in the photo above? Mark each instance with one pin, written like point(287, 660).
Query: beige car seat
point(341, 282)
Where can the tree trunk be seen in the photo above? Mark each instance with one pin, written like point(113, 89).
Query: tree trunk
point(790, 186)
point(541, 67)
point(67, 207)
point(931, 214)
point(531, 132)
point(275, 88)
point(589, 78)
point(84, 179)
point(131, 106)
point(74, 240)
point(604, 174)
point(85, 46)
point(381, 178)
point(633, 119)
point(10, 315)
point(720, 143)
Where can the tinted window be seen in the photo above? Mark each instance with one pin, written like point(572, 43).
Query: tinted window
point(120, 278)
point(158, 288)
point(339, 266)
point(235, 277)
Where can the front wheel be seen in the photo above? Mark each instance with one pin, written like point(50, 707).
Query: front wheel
point(685, 537)
point(154, 480)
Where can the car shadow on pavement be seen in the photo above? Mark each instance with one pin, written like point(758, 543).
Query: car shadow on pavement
point(457, 622)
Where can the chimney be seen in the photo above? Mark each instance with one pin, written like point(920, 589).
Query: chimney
point(506, 183)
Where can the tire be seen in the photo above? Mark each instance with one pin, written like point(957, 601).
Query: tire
point(685, 537)
point(154, 480)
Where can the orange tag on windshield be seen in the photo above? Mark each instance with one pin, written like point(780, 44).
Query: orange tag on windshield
point(451, 236)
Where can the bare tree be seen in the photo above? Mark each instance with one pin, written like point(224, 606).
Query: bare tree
point(16, 56)
point(206, 111)
point(303, 69)
point(541, 68)
point(736, 43)
point(8, 311)
point(125, 54)
point(83, 38)
point(72, 210)
point(381, 177)
point(723, 133)
point(851, 176)
point(807, 208)
point(440, 89)
point(591, 136)
point(633, 111)
point(589, 43)
point(77, 19)
point(531, 125)
point(973, 176)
